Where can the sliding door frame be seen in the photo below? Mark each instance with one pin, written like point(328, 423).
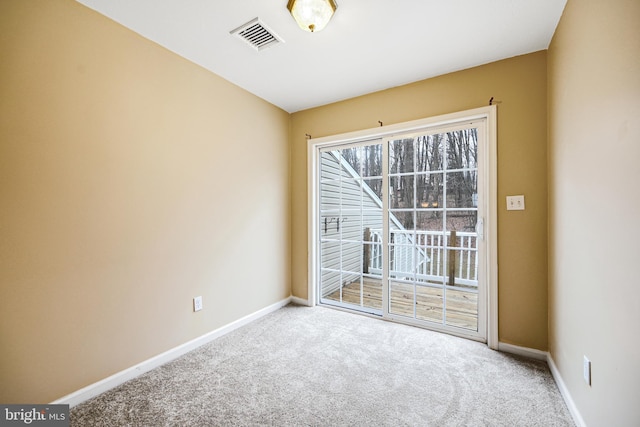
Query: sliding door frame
point(490, 177)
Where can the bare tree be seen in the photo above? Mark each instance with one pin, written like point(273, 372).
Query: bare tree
point(419, 167)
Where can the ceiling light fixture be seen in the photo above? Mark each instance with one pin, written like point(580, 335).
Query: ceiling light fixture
point(312, 15)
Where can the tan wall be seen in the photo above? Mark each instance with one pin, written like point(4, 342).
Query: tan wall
point(520, 85)
point(129, 183)
point(594, 207)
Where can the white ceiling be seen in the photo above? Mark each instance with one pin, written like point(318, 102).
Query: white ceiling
point(369, 45)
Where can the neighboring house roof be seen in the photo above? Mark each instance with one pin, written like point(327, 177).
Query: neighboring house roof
point(367, 190)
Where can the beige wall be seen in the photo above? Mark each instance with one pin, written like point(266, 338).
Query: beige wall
point(594, 207)
point(519, 84)
point(129, 183)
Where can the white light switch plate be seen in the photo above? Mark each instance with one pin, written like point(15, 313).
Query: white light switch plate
point(515, 203)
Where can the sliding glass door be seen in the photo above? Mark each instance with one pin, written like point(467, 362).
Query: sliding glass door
point(400, 227)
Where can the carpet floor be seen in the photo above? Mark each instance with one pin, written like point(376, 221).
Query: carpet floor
point(302, 366)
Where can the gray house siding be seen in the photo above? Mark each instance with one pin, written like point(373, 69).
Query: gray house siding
point(348, 206)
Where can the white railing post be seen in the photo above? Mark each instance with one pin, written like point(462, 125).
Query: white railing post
point(469, 239)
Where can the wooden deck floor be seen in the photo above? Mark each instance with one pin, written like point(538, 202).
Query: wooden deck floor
point(461, 307)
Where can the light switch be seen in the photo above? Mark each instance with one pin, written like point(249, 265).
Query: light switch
point(515, 203)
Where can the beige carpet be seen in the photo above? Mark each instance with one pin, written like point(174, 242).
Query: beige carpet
point(305, 366)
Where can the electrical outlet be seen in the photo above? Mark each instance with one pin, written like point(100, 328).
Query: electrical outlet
point(197, 304)
point(586, 370)
point(515, 203)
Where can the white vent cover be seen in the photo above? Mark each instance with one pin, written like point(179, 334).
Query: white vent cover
point(257, 34)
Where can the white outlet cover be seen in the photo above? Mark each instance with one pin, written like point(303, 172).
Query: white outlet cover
point(197, 304)
point(586, 370)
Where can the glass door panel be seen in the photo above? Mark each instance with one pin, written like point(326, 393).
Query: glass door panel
point(350, 227)
point(432, 243)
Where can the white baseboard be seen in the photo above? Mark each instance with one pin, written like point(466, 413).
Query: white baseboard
point(544, 355)
point(531, 353)
point(121, 377)
point(564, 391)
point(300, 301)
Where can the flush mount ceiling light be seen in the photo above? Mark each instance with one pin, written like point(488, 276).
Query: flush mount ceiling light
point(312, 15)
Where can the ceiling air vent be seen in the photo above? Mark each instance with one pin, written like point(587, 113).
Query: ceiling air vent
point(257, 35)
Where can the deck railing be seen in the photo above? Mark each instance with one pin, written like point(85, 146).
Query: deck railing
point(423, 256)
